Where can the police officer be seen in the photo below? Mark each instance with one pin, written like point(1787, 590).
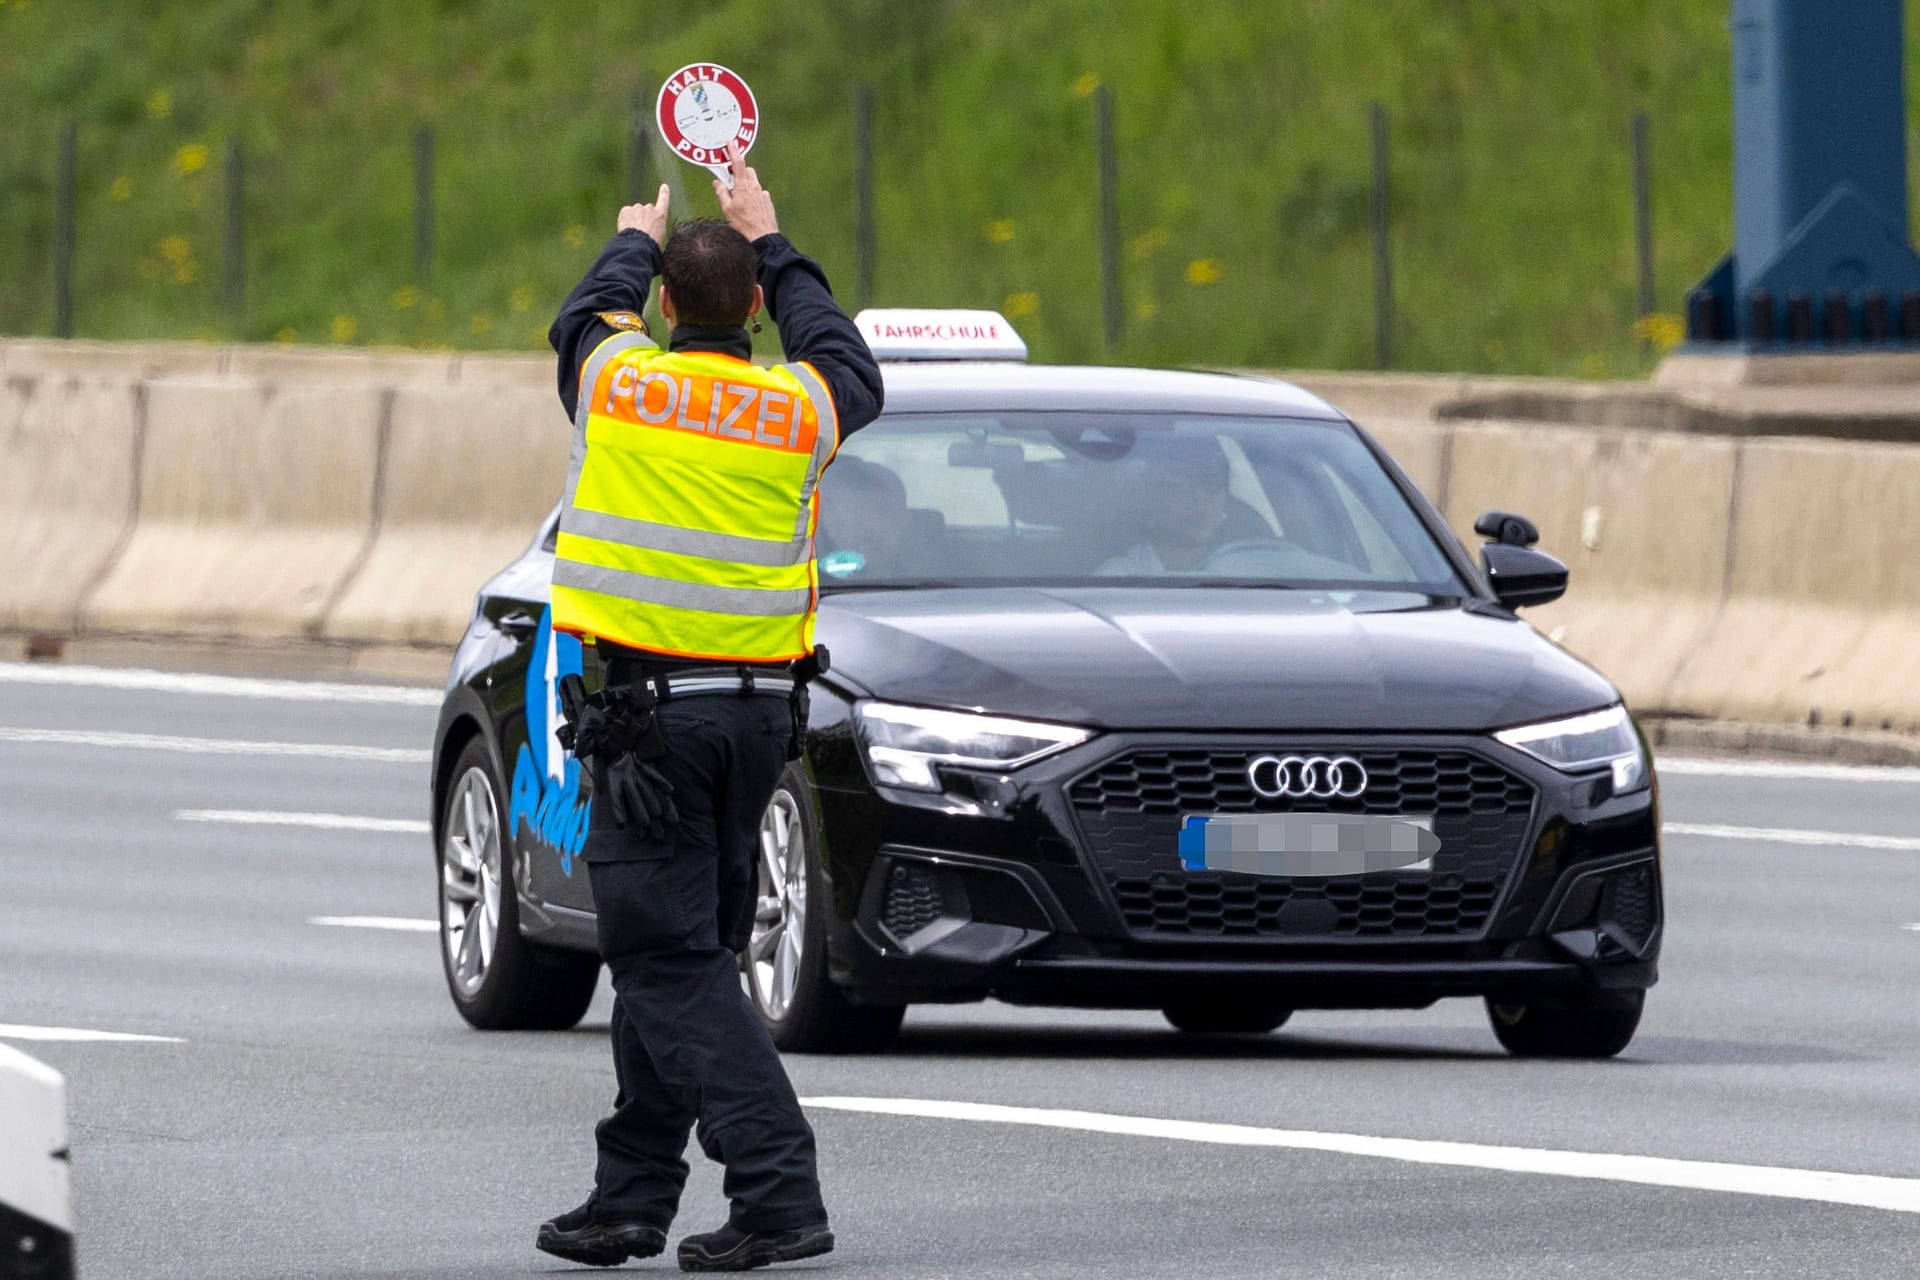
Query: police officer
point(686, 555)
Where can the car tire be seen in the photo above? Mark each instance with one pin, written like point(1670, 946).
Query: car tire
point(1227, 1017)
point(515, 985)
point(786, 966)
point(1579, 1031)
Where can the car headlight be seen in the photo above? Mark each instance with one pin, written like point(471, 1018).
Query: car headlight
point(904, 744)
point(1588, 741)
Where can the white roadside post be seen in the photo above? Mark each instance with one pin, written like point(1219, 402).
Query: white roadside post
point(36, 1198)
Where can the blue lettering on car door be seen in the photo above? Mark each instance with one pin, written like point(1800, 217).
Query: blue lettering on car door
point(546, 780)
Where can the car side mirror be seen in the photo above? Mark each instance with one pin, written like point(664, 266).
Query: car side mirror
point(1508, 528)
point(1522, 576)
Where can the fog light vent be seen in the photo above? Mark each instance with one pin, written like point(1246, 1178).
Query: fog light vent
point(913, 900)
point(1633, 904)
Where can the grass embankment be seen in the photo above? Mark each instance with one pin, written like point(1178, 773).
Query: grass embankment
point(1242, 128)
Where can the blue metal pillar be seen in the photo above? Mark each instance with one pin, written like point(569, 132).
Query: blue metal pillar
point(1821, 252)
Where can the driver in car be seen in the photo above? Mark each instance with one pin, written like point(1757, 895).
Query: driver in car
point(865, 527)
point(1185, 510)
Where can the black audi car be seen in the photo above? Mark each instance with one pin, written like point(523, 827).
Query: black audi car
point(1149, 690)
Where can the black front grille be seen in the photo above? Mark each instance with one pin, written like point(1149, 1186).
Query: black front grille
point(913, 901)
point(1130, 807)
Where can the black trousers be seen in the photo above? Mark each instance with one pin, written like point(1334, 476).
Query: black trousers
point(688, 1047)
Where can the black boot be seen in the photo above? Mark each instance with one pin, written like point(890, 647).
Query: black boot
point(579, 1235)
point(731, 1249)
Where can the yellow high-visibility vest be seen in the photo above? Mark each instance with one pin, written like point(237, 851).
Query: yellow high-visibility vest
point(688, 523)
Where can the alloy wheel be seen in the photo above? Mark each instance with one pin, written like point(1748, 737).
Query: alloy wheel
point(780, 915)
point(470, 881)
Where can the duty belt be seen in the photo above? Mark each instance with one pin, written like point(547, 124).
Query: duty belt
point(668, 686)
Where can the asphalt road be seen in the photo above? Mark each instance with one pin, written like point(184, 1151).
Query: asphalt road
point(321, 1111)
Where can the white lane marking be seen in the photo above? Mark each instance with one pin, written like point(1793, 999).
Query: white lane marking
point(14, 1031)
point(213, 746)
point(1791, 835)
point(215, 686)
point(399, 924)
point(1912, 928)
point(325, 821)
point(1867, 1190)
point(1696, 767)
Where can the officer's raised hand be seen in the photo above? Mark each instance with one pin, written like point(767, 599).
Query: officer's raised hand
point(749, 206)
point(650, 218)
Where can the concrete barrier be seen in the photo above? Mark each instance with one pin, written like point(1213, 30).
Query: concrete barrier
point(255, 506)
point(468, 479)
point(1640, 519)
point(354, 367)
point(116, 361)
point(362, 498)
point(36, 1194)
point(1822, 620)
point(533, 373)
point(67, 488)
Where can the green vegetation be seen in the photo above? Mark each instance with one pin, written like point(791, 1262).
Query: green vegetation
point(1243, 155)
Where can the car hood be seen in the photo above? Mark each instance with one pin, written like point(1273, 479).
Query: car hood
point(1206, 658)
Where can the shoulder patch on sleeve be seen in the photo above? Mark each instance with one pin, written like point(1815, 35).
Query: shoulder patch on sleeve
point(627, 320)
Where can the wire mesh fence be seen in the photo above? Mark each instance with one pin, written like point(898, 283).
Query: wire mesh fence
point(1079, 225)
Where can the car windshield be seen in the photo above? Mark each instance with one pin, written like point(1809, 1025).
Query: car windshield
point(1062, 499)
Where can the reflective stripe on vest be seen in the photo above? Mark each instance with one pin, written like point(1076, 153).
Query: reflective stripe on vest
point(688, 522)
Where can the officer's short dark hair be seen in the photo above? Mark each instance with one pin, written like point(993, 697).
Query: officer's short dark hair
point(710, 270)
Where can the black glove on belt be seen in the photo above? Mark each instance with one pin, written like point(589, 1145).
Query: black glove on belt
point(617, 733)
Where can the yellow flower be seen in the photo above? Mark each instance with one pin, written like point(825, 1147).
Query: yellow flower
point(1662, 330)
point(1020, 304)
point(479, 323)
point(186, 273)
point(403, 297)
point(1146, 309)
point(999, 231)
point(1204, 271)
point(160, 105)
point(175, 250)
point(344, 327)
point(576, 236)
point(521, 299)
point(1086, 84)
point(286, 337)
point(121, 190)
point(1148, 243)
point(191, 158)
point(1593, 365)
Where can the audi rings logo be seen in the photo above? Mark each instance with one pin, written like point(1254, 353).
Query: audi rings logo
point(1307, 777)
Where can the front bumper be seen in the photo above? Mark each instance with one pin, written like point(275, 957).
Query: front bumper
point(959, 901)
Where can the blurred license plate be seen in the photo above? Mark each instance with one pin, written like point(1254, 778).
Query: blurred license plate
point(1307, 844)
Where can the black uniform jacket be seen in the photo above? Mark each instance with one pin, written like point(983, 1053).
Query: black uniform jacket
point(812, 326)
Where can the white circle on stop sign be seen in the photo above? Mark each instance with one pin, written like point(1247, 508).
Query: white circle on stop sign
point(702, 109)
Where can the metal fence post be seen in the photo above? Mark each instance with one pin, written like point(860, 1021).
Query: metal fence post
point(63, 230)
point(1109, 161)
point(423, 202)
point(1643, 213)
point(234, 256)
point(1382, 224)
point(864, 246)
